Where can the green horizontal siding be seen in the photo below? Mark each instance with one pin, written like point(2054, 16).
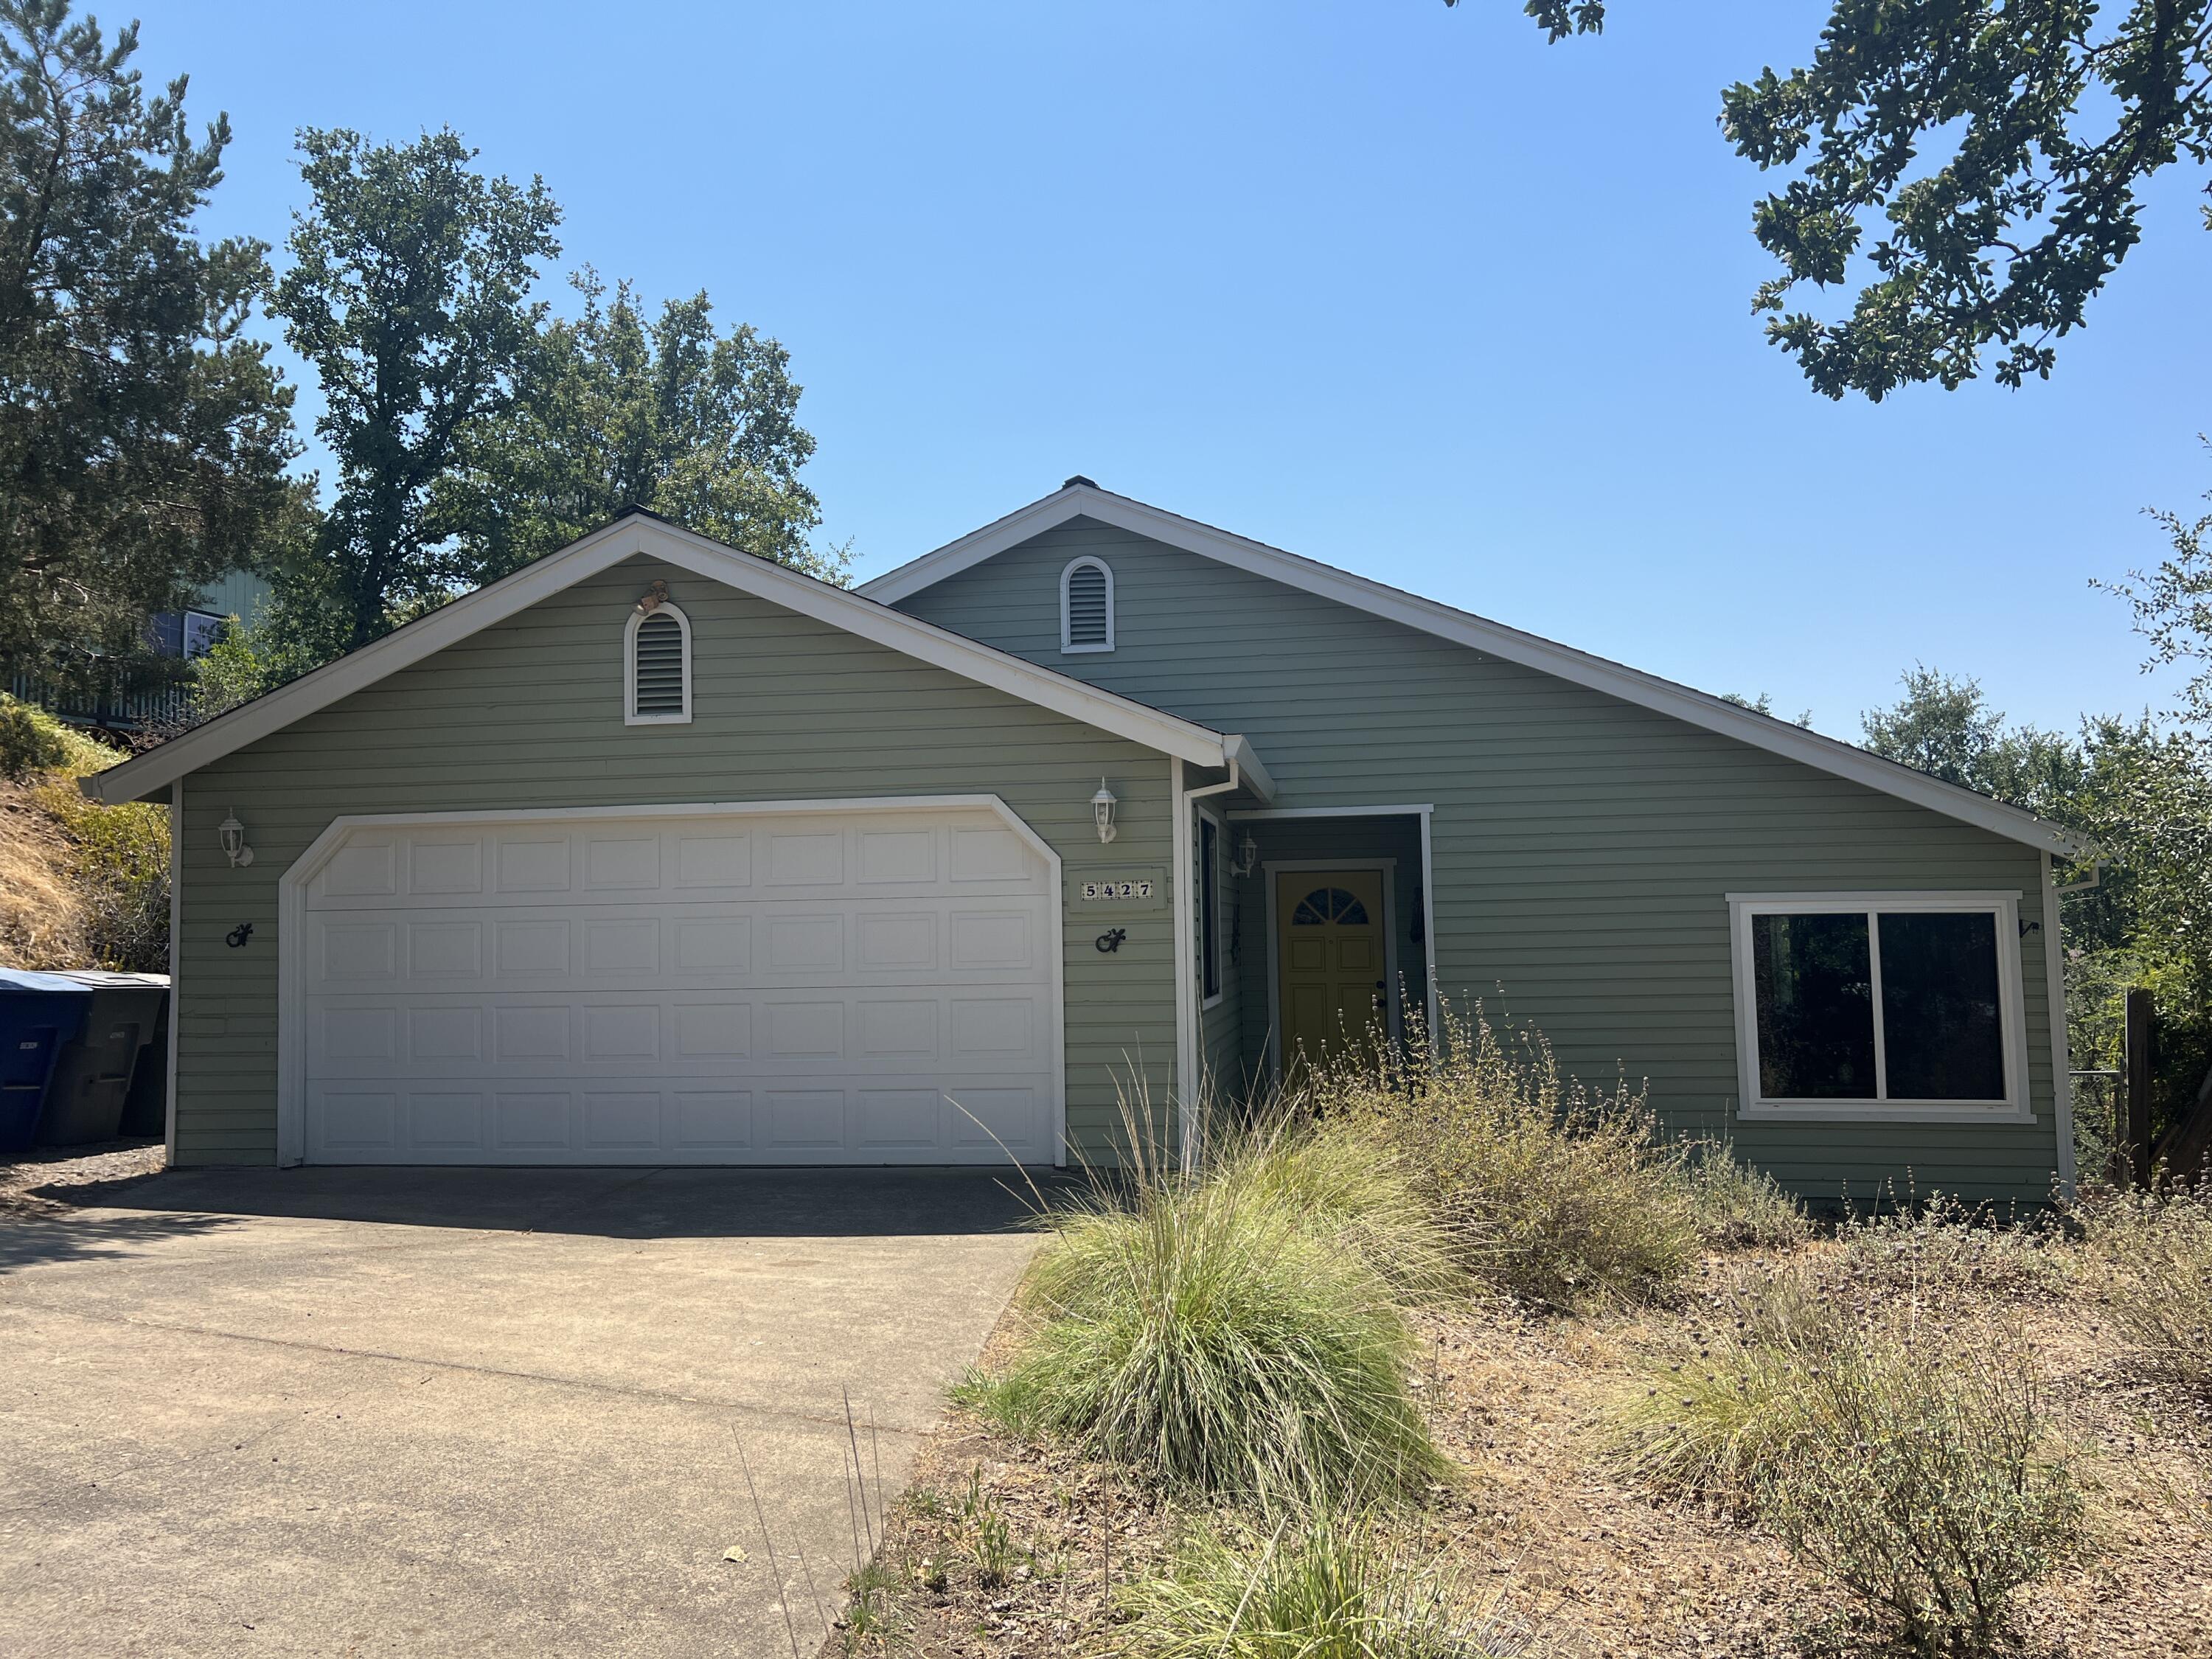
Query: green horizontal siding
point(529, 713)
point(1583, 844)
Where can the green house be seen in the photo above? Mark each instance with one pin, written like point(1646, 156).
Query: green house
point(655, 853)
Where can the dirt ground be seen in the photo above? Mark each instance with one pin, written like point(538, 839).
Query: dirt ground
point(1589, 1565)
point(59, 1168)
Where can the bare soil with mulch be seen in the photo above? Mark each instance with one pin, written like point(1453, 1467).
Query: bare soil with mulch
point(37, 1182)
point(1595, 1567)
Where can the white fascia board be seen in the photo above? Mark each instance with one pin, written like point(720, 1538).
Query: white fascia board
point(1250, 773)
point(1632, 686)
point(634, 537)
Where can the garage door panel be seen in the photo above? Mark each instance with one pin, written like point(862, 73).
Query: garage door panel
point(823, 989)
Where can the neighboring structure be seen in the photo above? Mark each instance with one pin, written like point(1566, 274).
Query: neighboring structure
point(173, 635)
point(656, 852)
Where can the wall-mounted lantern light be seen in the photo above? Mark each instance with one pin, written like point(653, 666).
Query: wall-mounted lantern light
point(1247, 857)
point(1102, 808)
point(234, 839)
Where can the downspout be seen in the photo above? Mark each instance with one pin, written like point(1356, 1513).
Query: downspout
point(1187, 1016)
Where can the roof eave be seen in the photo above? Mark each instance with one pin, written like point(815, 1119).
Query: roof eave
point(1696, 708)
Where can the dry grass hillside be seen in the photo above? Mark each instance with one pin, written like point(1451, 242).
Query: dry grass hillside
point(80, 885)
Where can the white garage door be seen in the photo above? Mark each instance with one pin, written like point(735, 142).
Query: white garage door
point(848, 986)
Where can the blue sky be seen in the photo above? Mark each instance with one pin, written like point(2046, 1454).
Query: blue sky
point(1395, 287)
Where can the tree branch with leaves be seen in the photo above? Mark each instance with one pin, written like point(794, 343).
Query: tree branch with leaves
point(1975, 168)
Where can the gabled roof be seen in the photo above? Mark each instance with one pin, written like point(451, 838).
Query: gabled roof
point(640, 534)
point(1080, 498)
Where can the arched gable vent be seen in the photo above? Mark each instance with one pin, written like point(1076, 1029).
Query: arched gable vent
point(1087, 606)
point(657, 667)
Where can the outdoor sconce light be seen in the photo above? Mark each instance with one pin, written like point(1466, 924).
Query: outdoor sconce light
point(233, 840)
point(1247, 857)
point(1102, 808)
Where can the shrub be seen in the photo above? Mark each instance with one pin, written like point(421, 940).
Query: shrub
point(30, 740)
point(1214, 1330)
point(1545, 1192)
point(1944, 1252)
point(2154, 1253)
point(1739, 1207)
point(1321, 1587)
point(1921, 1483)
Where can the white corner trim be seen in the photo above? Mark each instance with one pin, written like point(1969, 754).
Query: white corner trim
point(635, 537)
point(292, 908)
point(176, 963)
point(1186, 1068)
point(637, 619)
point(2017, 1106)
point(2062, 1059)
point(1068, 647)
point(1631, 685)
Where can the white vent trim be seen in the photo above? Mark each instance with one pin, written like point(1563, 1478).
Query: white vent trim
point(1069, 645)
point(632, 716)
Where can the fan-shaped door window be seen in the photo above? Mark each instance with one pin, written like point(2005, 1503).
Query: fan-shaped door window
point(1329, 904)
point(657, 667)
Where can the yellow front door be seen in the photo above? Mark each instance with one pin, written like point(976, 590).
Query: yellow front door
point(1329, 944)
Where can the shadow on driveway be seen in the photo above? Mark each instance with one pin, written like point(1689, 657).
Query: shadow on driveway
point(604, 1203)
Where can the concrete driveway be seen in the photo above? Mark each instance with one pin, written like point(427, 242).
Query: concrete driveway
point(473, 1411)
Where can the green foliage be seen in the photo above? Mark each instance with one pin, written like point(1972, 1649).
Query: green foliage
point(142, 436)
point(408, 291)
point(2153, 1256)
point(1321, 1586)
point(618, 411)
point(2142, 794)
point(1215, 1332)
point(1974, 167)
point(30, 740)
point(1923, 1483)
point(1544, 1191)
point(2172, 606)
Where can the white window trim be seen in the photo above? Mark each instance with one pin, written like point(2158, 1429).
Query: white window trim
point(1068, 648)
point(1198, 896)
point(2004, 906)
point(630, 716)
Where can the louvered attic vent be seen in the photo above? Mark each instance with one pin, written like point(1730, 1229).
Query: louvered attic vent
point(659, 676)
point(1087, 606)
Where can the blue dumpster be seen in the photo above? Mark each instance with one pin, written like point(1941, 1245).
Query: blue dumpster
point(40, 1014)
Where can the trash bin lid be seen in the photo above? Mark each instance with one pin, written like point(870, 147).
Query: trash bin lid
point(102, 979)
point(22, 979)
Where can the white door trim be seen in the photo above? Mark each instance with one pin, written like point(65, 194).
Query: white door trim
point(1388, 867)
point(292, 909)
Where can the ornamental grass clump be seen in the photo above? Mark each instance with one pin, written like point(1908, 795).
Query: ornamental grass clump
point(2152, 1254)
point(1546, 1192)
point(1319, 1585)
point(1713, 1415)
point(1228, 1331)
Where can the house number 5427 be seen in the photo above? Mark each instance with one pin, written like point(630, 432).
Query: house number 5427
point(1093, 890)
